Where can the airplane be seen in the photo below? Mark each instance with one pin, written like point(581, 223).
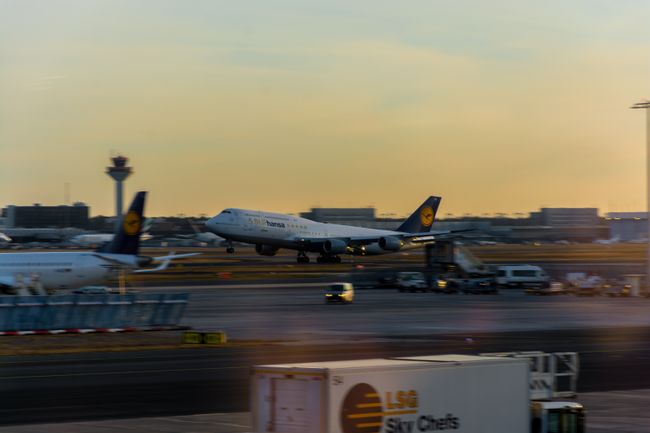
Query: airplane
point(100, 239)
point(71, 270)
point(272, 231)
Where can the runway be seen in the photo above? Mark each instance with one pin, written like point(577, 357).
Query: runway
point(294, 325)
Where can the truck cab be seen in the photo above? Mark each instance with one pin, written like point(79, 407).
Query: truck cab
point(557, 417)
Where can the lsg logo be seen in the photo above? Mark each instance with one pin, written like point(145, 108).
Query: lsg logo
point(364, 411)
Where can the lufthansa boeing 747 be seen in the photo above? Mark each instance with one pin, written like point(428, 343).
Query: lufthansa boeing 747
point(272, 231)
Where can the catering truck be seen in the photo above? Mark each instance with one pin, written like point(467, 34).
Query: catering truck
point(457, 393)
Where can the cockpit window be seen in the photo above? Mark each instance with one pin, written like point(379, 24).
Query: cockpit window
point(226, 211)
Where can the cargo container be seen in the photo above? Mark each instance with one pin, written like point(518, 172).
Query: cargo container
point(457, 393)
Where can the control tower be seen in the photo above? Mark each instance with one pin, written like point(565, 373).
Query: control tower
point(119, 172)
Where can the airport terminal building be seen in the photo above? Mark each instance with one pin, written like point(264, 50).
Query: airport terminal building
point(38, 216)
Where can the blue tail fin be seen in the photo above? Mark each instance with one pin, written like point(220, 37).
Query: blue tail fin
point(127, 235)
point(422, 219)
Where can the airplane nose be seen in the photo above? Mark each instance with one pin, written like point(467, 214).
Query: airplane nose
point(211, 223)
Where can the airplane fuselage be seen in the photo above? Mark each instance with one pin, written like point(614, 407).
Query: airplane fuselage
point(291, 232)
point(61, 270)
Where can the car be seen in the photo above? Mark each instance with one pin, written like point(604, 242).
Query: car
point(339, 292)
point(554, 288)
point(411, 282)
point(615, 288)
point(479, 286)
point(446, 285)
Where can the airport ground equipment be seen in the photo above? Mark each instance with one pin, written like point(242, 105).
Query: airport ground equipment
point(92, 312)
point(447, 256)
point(460, 393)
point(468, 394)
point(552, 375)
point(205, 337)
point(411, 282)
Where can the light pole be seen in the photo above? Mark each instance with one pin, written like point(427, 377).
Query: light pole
point(646, 105)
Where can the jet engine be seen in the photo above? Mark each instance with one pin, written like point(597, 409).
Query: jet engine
point(334, 246)
point(390, 243)
point(143, 261)
point(265, 250)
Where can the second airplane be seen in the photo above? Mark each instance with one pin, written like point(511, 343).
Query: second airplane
point(272, 231)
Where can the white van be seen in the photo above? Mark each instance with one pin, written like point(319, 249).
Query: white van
point(521, 276)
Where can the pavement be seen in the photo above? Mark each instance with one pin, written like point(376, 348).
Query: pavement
point(607, 412)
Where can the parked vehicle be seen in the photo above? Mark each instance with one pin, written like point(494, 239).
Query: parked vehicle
point(339, 292)
point(480, 286)
point(472, 394)
point(411, 282)
point(616, 288)
point(521, 276)
point(445, 284)
point(554, 288)
point(588, 286)
point(92, 290)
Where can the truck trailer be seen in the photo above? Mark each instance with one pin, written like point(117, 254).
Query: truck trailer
point(457, 393)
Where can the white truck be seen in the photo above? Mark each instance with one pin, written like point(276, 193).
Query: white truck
point(459, 393)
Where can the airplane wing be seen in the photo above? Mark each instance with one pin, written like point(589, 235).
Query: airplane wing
point(412, 237)
point(164, 262)
point(7, 281)
point(162, 267)
point(173, 256)
point(360, 241)
point(113, 261)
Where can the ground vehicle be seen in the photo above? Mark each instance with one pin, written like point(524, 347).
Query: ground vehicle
point(554, 288)
point(557, 417)
point(616, 288)
point(469, 394)
point(92, 290)
point(589, 286)
point(521, 276)
point(479, 286)
point(339, 292)
point(445, 285)
point(411, 282)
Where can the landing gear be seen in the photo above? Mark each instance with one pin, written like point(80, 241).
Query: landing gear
point(328, 259)
point(302, 257)
point(230, 250)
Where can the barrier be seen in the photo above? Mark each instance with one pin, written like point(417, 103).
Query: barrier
point(107, 311)
point(205, 337)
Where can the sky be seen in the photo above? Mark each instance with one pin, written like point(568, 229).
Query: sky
point(500, 106)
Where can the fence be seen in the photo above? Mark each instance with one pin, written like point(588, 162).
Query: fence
point(63, 312)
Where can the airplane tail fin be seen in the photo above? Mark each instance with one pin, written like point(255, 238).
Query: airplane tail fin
point(127, 234)
point(421, 220)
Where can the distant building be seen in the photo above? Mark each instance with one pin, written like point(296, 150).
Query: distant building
point(566, 217)
point(47, 216)
point(628, 226)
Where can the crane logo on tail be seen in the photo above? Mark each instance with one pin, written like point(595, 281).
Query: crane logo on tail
point(426, 216)
point(132, 223)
